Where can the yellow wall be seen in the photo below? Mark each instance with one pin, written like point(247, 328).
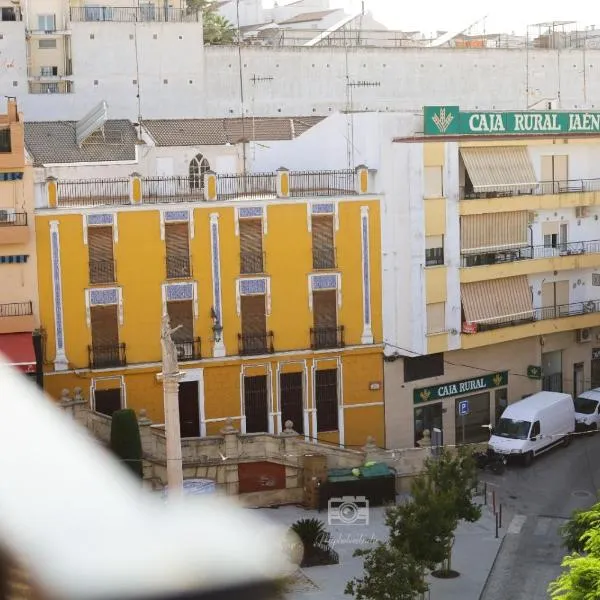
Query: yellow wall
point(140, 267)
point(435, 216)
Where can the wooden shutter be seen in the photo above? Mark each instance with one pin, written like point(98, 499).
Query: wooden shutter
point(322, 232)
point(561, 168)
point(254, 319)
point(326, 400)
point(105, 325)
point(562, 293)
point(182, 313)
point(177, 239)
point(251, 236)
point(100, 243)
point(325, 308)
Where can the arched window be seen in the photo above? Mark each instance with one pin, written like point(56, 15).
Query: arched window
point(198, 166)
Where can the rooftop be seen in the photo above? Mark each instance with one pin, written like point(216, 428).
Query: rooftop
point(309, 16)
point(214, 132)
point(53, 142)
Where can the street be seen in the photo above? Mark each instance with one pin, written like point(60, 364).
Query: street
point(536, 501)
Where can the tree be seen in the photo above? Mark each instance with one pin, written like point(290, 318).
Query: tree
point(315, 541)
point(125, 440)
point(580, 579)
point(390, 574)
point(216, 28)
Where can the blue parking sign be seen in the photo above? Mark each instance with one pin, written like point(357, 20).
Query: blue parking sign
point(463, 408)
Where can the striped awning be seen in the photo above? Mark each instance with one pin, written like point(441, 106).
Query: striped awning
point(498, 168)
point(493, 231)
point(497, 300)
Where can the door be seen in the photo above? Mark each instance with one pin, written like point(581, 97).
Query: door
point(536, 439)
point(107, 401)
point(562, 289)
point(256, 404)
point(292, 400)
point(427, 418)
point(578, 380)
point(552, 371)
point(189, 409)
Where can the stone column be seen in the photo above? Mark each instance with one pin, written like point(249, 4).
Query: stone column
point(230, 436)
point(173, 432)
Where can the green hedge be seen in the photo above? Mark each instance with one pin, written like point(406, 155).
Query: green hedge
point(125, 441)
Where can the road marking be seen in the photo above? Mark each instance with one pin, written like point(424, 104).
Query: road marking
point(516, 524)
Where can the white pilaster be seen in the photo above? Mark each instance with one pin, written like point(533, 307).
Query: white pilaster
point(367, 334)
point(60, 359)
point(218, 345)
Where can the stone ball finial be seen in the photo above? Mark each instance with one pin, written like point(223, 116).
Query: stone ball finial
point(229, 428)
point(64, 395)
point(288, 428)
point(288, 425)
point(425, 442)
point(77, 394)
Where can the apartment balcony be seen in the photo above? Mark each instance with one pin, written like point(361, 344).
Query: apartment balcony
point(324, 258)
point(527, 260)
point(543, 196)
point(10, 14)
point(102, 271)
point(55, 86)
point(16, 317)
point(152, 13)
point(106, 357)
point(322, 338)
point(189, 350)
point(5, 143)
point(178, 267)
point(209, 187)
point(252, 262)
point(249, 345)
point(13, 228)
point(541, 321)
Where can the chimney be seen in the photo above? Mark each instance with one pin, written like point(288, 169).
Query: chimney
point(13, 114)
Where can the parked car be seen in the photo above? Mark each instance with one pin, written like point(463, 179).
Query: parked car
point(587, 411)
point(534, 425)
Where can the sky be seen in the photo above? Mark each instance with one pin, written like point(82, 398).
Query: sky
point(503, 16)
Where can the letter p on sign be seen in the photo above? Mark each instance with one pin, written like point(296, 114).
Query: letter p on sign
point(463, 408)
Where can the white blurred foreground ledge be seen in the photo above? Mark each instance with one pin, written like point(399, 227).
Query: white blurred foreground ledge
point(87, 530)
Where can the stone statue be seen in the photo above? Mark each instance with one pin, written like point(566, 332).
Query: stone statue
point(169, 351)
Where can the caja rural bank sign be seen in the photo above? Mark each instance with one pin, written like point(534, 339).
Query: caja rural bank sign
point(456, 388)
point(450, 120)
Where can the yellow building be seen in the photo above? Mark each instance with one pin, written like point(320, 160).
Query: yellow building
point(18, 279)
point(274, 280)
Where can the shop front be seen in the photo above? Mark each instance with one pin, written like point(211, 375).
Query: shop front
point(462, 410)
point(595, 379)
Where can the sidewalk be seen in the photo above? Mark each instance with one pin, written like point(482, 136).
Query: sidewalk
point(475, 550)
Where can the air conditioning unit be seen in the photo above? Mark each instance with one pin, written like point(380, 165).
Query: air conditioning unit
point(7, 215)
point(584, 335)
point(581, 212)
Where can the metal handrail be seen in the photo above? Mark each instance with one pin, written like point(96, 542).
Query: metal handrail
point(538, 189)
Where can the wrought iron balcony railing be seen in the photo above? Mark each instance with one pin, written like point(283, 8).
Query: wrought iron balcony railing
point(102, 271)
point(324, 258)
point(327, 337)
point(131, 14)
point(539, 189)
point(16, 309)
point(249, 344)
point(178, 267)
point(504, 255)
point(93, 192)
point(106, 356)
point(16, 219)
point(546, 313)
point(252, 262)
point(189, 350)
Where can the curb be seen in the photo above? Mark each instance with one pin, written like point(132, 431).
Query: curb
point(489, 575)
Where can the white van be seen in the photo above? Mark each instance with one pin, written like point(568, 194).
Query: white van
point(533, 425)
point(587, 411)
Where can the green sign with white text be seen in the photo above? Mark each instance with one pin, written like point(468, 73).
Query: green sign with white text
point(449, 120)
point(458, 388)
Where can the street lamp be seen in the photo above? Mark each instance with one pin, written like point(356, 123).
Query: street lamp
point(217, 327)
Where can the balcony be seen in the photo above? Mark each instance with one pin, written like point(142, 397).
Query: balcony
point(59, 86)
point(322, 338)
point(16, 317)
point(189, 350)
point(178, 267)
point(324, 258)
point(222, 187)
point(5, 145)
point(252, 262)
point(543, 196)
point(526, 260)
point(542, 321)
point(102, 271)
point(124, 14)
point(13, 228)
point(105, 357)
point(249, 345)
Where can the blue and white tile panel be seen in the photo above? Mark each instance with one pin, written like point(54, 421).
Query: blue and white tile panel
point(172, 292)
point(324, 281)
point(322, 208)
point(254, 287)
point(172, 216)
point(250, 212)
point(367, 335)
point(60, 359)
point(100, 220)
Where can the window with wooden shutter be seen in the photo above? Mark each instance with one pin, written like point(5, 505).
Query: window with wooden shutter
point(251, 247)
point(254, 324)
point(325, 332)
point(101, 257)
point(292, 400)
point(256, 404)
point(106, 350)
point(181, 313)
point(323, 242)
point(326, 393)
point(177, 243)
